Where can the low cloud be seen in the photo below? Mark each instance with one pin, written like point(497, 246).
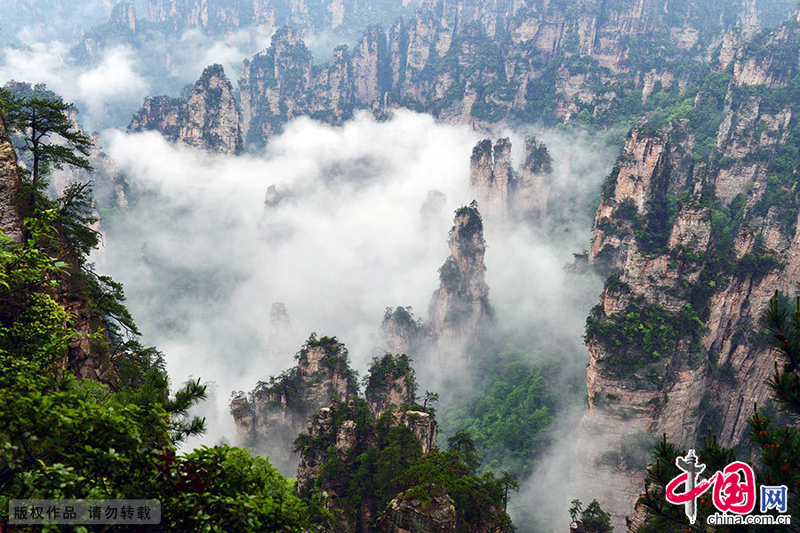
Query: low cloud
point(203, 258)
point(106, 93)
point(109, 91)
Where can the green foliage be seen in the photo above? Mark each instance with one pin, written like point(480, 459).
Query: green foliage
point(69, 438)
point(477, 499)
point(386, 459)
point(511, 412)
point(402, 316)
point(387, 369)
point(593, 519)
point(642, 334)
point(541, 98)
point(463, 444)
point(636, 449)
point(64, 437)
point(474, 221)
point(225, 489)
point(363, 476)
point(36, 119)
point(450, 274)
point(610, 183)
point(335, 357)
point(488, 111)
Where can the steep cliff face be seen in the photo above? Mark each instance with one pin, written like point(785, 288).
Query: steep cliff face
point(533, 185)
point(220, 16)
point(207, 119)
point(503, 193)
point(459, 310)
point(123, 17)
point(88, 354)
point(695, 247)
point(400, 331)
point(453, 59)
point(276, 412)
point(280, 84)
point(10, 215)
point(491, 176)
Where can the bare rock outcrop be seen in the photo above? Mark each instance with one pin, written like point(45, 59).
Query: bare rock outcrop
point(207, 119)
point(347, 430)
point(670, 343)
point(271, 417)
point(532, 188)
point(459, 311)
point(490, 64)
point(10, 215)
point(400, 331)
point(491, 176)
point(123, 16)
point(504, 193)
point(423, 426)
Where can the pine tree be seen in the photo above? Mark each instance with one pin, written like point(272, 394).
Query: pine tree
point(779, 460)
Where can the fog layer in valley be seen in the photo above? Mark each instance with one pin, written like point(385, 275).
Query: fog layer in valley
point(204, 249)
point(329, 221)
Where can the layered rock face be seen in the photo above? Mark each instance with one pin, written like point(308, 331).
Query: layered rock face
point(350, 437)
point(207, 119)
point(123, 17)
point(10, 216)
point(491, 176)
point(275, 413)
point(358, 429)
point(279, 84)
point(342, 427)
point(459, 310)
point(696, 247)
point(452, 59)
point(502, 192)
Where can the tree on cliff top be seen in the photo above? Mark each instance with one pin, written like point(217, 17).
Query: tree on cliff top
point(48, 134)
point(40, 120)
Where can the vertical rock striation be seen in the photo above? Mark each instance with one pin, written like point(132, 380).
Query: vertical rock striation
point(390, 382)
point(406, 514)
point(489, 63)
point(491, 176)
point(400, 331)
point(694, 248)
point(10, 216)
point(503, 193)
point(459, 310)
point(207, 119)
